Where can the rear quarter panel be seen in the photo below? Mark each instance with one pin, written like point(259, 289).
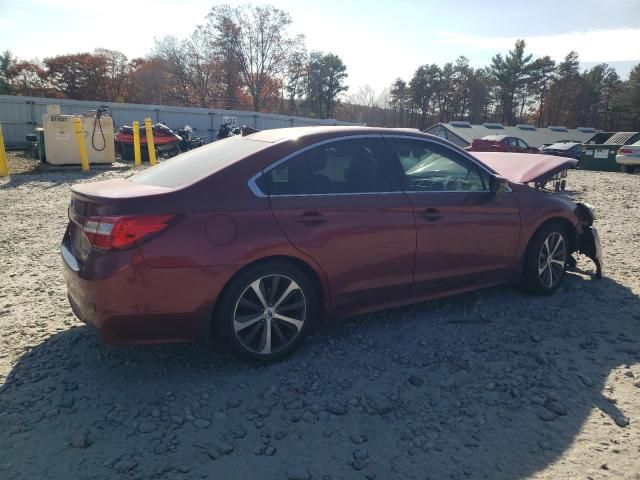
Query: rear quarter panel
point(224, 223)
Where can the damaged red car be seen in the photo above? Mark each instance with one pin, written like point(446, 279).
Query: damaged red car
point(254, 239)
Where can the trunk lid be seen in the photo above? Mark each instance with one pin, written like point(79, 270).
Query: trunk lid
point(525, 167)
point(117, 188)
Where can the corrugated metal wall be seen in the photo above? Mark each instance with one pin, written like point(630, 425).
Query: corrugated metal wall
point(20, 115)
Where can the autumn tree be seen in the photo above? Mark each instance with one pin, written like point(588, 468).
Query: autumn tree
point(78, 75)
point(259, 43)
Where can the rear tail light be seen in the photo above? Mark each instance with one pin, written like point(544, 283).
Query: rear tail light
point(123, 232)
point(625, 151)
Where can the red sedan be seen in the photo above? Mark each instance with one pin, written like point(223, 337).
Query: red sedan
point(501, 143)
point(254, 239)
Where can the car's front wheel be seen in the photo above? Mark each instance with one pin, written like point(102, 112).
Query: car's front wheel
point(546, 260)
point(266, 311)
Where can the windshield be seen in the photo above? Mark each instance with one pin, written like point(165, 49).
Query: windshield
point(198, 163)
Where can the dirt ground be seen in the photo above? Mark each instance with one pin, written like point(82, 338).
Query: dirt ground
point(494, 385)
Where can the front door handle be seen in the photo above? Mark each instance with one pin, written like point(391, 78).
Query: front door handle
point(310, 218)
point(430, 215)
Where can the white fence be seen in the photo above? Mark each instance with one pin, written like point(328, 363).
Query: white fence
point(20, 115)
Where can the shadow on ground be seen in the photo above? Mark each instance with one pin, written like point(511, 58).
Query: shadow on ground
point(491, 385)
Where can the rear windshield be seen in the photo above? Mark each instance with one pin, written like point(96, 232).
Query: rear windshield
point(198, 163)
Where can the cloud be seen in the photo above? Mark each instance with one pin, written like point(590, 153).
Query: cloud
point(610, 45)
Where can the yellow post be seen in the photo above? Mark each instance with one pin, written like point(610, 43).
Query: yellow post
point(4, 167)
point(136, 144)
point(82, 148)
point(150, 145)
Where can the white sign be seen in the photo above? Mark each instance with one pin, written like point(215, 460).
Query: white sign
point(601, 153)
point(62, 136)
point(231, 120)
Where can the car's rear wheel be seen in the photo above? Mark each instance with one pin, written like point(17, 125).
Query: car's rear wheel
point(266, 311)
point(546, 260)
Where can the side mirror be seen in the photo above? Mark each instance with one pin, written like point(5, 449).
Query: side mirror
point(498, 185)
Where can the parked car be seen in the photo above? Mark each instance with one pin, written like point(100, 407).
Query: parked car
point(628, 157)
point(563, 149)
point(253, 239)
point(500, 143)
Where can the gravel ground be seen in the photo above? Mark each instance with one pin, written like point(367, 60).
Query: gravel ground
point(493, 385)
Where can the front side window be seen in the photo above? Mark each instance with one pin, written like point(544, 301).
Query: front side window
point(340, 167)
point(429, 167)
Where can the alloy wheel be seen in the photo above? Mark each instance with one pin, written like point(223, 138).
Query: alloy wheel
point(552, 260)
point(269, 314)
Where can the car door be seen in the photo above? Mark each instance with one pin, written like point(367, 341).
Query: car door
point(463, 232)
point(337, 203)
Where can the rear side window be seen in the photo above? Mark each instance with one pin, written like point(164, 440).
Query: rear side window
point(340, 167)
point(203, 161)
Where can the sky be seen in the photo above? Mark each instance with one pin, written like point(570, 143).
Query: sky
point(377, 40)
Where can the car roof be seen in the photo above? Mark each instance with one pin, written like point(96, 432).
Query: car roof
point(562, 145)
point(494, 137)
point(281, 134)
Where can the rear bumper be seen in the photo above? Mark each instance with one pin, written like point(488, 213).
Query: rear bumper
point(135, 304)
point(627, 160)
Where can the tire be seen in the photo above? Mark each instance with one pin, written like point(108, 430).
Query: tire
point(539, 276)
point(254, 328)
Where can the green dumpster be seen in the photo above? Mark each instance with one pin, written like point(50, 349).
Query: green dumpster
point(603, 157)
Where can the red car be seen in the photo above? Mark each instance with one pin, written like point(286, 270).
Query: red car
point(253, 239)
point(501, 143)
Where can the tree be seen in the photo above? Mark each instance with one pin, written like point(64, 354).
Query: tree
point(258, 40)
point(511, 76)
point(296, 73)
point(480, 85)
point(326, 76)
point(542, 74)
point(563, 91)
point(422, 87)
point(629, 102)
point(400, 100)
point(78, 75)
point(27, 78)
point(335, 74)
point(7, 62)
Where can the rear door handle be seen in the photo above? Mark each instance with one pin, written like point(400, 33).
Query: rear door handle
point(430, 215)
point(310, 218)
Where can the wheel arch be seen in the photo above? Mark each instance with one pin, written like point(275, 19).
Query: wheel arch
point(317, 279)
point(569, 227)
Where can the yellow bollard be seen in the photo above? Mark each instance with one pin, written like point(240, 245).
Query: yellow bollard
point(4, 167)
point(150, 145)
point(82, 148)
point(136, 144)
